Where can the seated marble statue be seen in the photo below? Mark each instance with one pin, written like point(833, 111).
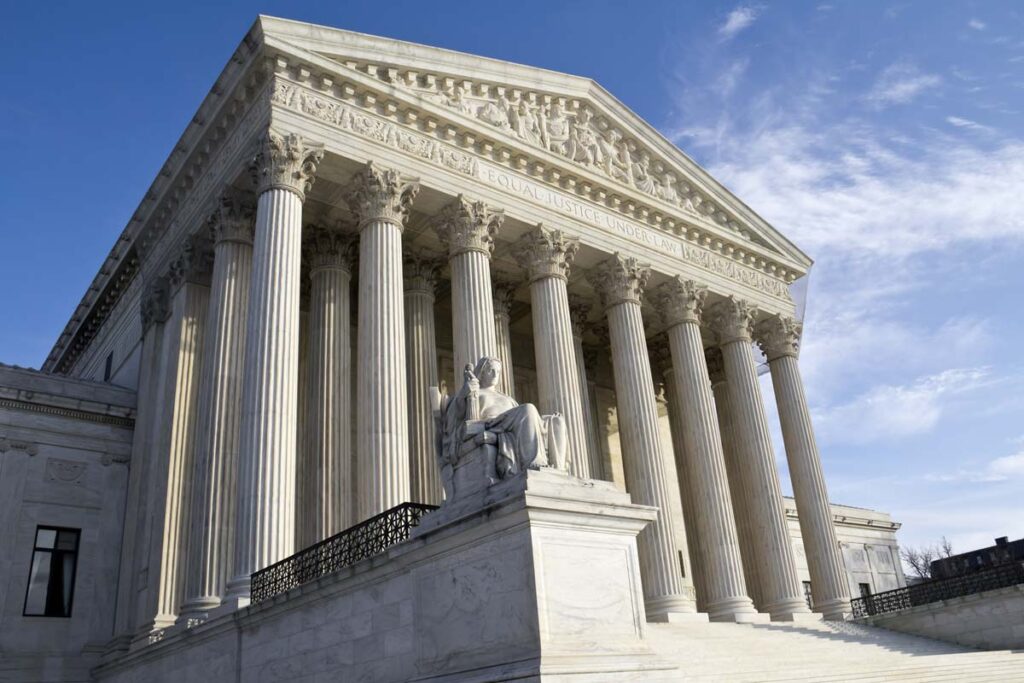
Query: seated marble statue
point(478, 415)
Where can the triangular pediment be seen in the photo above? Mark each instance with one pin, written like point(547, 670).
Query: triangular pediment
point(571, 127)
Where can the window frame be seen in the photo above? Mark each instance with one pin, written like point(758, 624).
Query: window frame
point(74, 568)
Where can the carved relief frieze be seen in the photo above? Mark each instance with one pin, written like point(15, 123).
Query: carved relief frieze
point(64, 471)
point(757, 273)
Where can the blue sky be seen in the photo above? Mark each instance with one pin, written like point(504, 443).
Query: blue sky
point(886, 139)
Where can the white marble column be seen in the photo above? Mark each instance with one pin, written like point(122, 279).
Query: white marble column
point(504, 296)
point(664, 376)
point(421, 363)
point(154, 311)
point(546, 256)
point(779, 338)
point(380, 198)
point(579, 310)
point(736, 474)
point(283, 169)
point(620, 282)
point(681, 303)
point(327, 471)
point(219, 410)
point(169, 488)
point(733, 320)
point(468, 229)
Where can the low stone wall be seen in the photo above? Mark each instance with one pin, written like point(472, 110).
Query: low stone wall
point(993, 620)
point(541, 584)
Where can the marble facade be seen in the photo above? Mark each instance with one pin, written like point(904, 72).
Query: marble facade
point(347, 222)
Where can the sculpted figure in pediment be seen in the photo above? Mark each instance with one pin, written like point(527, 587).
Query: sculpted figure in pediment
point(642, 178)
point(524, 122)
point(496, 113)
point(617, 163)
point(555, 128)
point(453, 97)
point(583, 147)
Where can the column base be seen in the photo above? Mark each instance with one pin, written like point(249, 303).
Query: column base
point(735, 610)
point(152, 631)
point(791, 609)
point(740, 618)
point(673, 608)
point(838, 609)
point(195, 612)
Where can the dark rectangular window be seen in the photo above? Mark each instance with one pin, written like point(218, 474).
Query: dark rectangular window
point(865, 589)
point(108, 367)
point(807, 594)
point(51, 578)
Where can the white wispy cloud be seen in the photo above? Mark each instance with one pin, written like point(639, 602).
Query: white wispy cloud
point(894, 411)
point(967, 124)
point(731, 76)
point(900, 83)
point(737, 20)
point(976, 24)
point(999, 469)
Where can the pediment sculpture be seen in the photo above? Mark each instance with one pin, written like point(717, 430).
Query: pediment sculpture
point(482, 426)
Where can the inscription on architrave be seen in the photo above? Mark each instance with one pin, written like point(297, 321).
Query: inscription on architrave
point(542, 194)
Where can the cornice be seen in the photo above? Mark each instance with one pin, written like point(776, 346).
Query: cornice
point(412, 129)
point(421, 92)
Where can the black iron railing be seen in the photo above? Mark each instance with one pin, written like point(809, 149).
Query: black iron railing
point(939, 589)
point(356, 543)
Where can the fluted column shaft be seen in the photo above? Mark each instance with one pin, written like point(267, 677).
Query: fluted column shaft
point(265, 517)
point(468, 229)
point(265, 524)
point(328, 445)
point(547, 256)
point(578, 316)
point(219, 412)
point(503, 297)
point(681, 303)
point(380, 198)
point(688, 502)
point(421, 364)
point(779, 338)
point(737, 477)
point(620, 282)
point(780, 582)
point(472, 308)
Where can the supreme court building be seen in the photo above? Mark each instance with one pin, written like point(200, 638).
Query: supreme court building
point(345, 225)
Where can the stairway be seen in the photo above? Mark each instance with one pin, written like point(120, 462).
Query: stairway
point(822, 651)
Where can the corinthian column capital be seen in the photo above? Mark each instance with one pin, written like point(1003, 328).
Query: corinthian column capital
point(194, 262)
point(543, 252)
point(381, 194)
point(504, 293)
point(733, 320)
point(619, 279)
point(779, 336)
point(466, 225)
point(287, 162)
point(716, 365)
point(421, 273)
point(156, 303)
point(329, 248)
point(235, 217)
point(579, 311)
point(679, 301)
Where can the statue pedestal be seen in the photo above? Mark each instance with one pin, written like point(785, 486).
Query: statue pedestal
point(535, 577)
